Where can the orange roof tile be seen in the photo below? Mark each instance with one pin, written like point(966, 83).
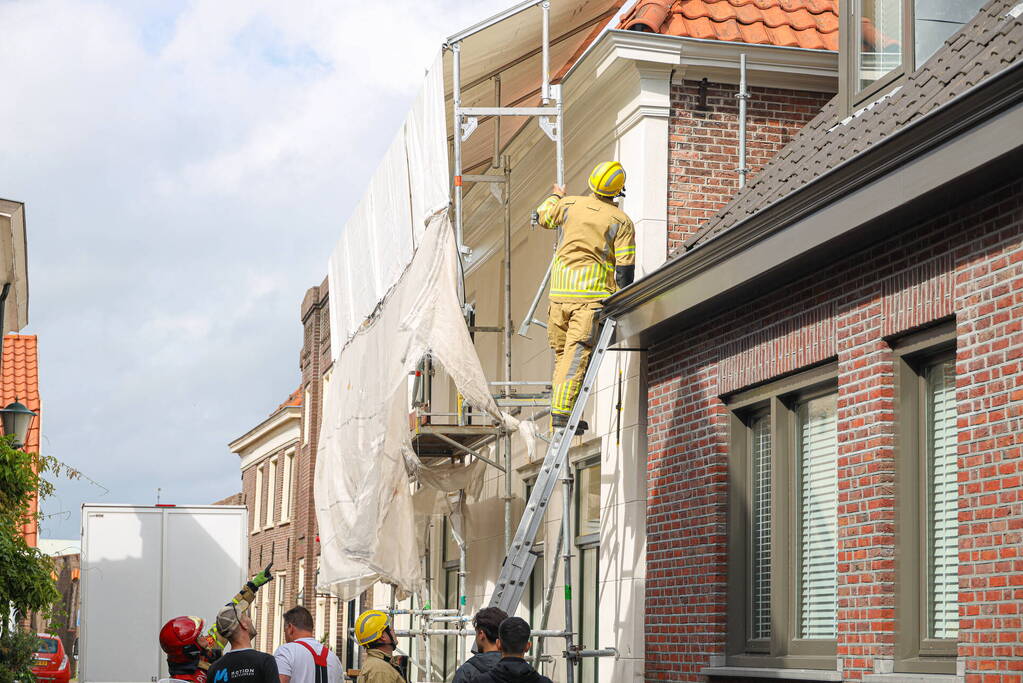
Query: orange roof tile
point(294, 400)
point(811, 24)
point(19, 380)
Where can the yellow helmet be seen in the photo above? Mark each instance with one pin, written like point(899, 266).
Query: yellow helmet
point(370, 626)
point(608, 179)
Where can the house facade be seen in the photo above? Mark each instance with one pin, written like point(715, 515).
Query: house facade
point(832, 376)
point(274, 489)
point(656, 91)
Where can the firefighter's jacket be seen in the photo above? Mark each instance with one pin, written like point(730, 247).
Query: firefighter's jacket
point(377, 668)
point(597, 236)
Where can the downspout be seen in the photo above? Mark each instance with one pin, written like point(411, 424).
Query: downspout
point(742, 96)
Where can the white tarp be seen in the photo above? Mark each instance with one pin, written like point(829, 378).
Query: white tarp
point(394, 283)
point(362, 490)
point(377, 242)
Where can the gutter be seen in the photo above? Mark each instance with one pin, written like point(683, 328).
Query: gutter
point(980, 103)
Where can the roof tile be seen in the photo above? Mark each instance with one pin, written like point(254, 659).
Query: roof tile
point(19, 379)
point(810, 24)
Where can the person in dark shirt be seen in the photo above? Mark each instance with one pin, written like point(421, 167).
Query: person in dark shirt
point(241, 664)
point(513, 639)
point(486, 622)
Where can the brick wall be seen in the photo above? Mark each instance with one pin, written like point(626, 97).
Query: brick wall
point(274, 544)
point(314, 361)
point(967, 263)
point(704, 145)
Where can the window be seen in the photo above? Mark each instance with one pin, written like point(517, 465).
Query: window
point(280, 581)
point(321, 616)
point(300, 587)
point(587, 541)
point(271, 492)
point(783, 478)
point(818, 520)
point(927, 596)
point(332, 605)
point(351, 647)
point(257, 503)
point(264, 614)
point(286, 486)
point(536, 587)
point(894, 37)
point(306, 424)
point(450, 568)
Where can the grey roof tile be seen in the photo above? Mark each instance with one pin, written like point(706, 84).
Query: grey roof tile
point(985, 46)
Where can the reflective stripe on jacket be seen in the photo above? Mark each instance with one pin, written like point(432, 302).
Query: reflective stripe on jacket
point(596, 237)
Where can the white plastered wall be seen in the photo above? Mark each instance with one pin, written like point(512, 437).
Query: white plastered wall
point(616, 107)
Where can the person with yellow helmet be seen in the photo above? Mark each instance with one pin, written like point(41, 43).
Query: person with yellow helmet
point(595, 258)
point(373, 632)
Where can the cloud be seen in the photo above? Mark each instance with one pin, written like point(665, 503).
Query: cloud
point(186, 168)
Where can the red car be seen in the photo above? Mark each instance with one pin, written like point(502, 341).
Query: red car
point(51, 662)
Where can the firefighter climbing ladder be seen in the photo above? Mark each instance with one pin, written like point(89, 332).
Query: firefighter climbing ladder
point(521, 557)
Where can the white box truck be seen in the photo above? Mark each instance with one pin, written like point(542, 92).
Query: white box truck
point(143, 565)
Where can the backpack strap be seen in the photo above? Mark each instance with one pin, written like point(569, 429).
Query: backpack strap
point(320, 660)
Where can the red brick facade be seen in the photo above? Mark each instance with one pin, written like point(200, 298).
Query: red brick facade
point(965, 265)
point(289, 543)
point(704, 145)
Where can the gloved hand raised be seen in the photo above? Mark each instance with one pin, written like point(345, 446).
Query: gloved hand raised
point(262, 577)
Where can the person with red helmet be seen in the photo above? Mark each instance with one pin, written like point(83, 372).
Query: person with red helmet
point(187, 653)
point(190, 651)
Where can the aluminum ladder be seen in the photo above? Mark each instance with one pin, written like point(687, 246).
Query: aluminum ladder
point(518, 564)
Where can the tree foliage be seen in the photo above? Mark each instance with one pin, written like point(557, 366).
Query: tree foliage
point(26, 574)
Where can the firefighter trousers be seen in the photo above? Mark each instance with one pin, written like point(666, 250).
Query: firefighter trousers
point(572, 332)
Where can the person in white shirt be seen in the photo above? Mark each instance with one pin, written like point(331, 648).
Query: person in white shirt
point(303, 659)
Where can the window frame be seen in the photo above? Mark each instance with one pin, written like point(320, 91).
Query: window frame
point(287, 485)
point(586, 546)
point(280, 598)
point(852, 95)
point(271, 493)
point(915, 651)
point(783, 649)
point(257, 501)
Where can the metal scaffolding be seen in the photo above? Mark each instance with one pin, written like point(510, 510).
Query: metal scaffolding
point(460, 434)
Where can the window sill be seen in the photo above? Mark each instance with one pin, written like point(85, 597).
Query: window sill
point(765, 672)
point(906, 677)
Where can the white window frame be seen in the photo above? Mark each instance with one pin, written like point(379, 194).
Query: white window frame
point(307, 413)
point(271, 492)
point(264, 634)
point(287, 483)
point(257, 502)
point(280, 595)
point(321, 616)
point(588, 552)
point(332, 605)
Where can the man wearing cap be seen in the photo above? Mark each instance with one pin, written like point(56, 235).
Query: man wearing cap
point(302, 658)
point(240, 664)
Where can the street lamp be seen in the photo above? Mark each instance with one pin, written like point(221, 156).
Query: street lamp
point(17, 419)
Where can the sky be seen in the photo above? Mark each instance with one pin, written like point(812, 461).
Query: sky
point(186, 168)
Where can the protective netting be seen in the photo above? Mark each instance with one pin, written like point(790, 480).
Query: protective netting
point(394, 283)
